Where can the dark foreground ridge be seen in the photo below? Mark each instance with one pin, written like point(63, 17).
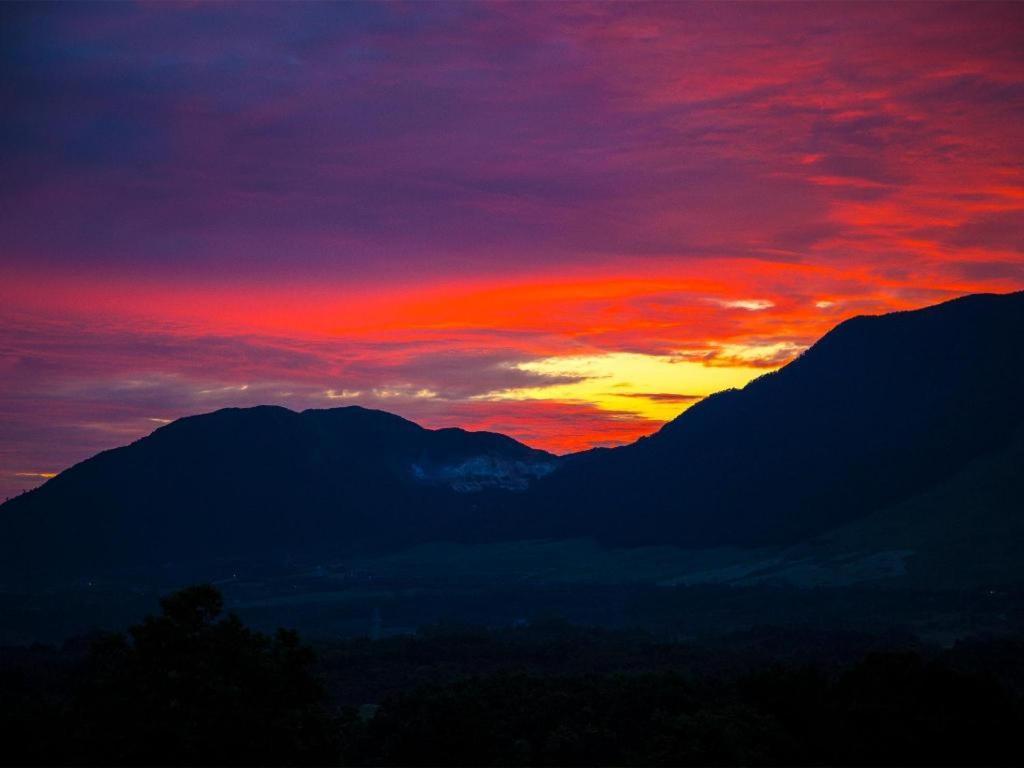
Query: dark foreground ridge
point(907, 418)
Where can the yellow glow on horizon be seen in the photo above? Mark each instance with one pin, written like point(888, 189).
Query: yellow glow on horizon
point(657, 387)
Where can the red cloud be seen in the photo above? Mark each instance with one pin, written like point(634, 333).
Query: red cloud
point(198, 202)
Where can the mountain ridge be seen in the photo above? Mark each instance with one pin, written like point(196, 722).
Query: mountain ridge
point(824, 430)
point(877, 412)
point(263, 482)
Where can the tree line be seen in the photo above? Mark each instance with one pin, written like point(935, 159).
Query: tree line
point(194, 686)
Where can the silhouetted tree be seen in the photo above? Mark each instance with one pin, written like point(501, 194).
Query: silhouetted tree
point(193, 686)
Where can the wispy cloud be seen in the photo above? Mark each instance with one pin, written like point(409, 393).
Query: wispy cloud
point(751, 305)
point(333, 204)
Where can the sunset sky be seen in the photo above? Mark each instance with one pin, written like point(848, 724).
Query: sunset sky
point(565, 222)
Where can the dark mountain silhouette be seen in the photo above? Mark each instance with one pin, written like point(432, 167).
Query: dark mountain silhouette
point(878, 414)
point(262, 482)
point(966, 530)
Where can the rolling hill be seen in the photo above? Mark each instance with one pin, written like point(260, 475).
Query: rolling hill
point(261, 483)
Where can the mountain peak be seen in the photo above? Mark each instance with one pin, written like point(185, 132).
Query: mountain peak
point(877, 410)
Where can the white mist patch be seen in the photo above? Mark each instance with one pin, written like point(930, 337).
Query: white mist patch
point(483, 472)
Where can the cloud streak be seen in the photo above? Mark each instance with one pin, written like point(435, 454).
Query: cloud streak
point(331, 203)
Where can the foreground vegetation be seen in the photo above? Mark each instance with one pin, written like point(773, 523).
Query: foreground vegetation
point(195, 686)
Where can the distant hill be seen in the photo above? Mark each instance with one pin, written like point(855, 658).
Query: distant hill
point(896, 432)
point(265, 483)
point(877, 412)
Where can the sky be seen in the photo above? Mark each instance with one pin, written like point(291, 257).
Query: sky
point(566, 222)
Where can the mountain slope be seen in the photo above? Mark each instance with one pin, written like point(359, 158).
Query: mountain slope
point(967, 530)
point(966, 533)
point(263, 483)
point(879, 410)
point(879, 414)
